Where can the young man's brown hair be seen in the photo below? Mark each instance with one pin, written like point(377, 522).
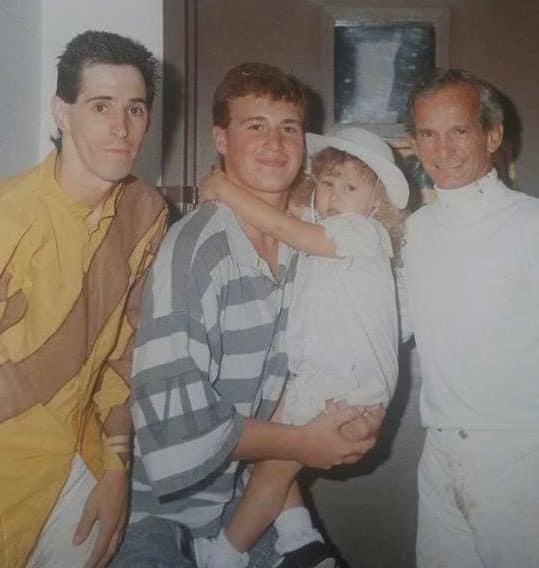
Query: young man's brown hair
point(257, 79)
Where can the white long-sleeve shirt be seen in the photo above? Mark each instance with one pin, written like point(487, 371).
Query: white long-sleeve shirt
point(472, 272)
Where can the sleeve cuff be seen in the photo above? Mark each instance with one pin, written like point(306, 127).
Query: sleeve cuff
point(116, 452)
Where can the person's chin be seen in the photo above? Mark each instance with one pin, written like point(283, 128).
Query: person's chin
point(449, 180)
point(450, 177)
point(276, 188)
point(120, 167)
point(115, 175)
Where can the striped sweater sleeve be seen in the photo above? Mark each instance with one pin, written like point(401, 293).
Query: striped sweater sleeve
point(185, 430)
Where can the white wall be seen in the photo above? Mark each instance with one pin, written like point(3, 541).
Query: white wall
point(139, 19)
point(20, 77)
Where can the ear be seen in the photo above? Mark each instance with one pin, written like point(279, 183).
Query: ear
point(59, 110)
point(494, 138)
point(220, 140)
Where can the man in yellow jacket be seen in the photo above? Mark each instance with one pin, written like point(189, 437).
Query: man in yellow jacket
point(77, 235)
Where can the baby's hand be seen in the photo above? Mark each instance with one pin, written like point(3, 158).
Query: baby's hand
point(296, 209)
point(210, 186)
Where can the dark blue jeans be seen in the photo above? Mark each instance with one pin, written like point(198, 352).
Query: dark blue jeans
point(154, 543)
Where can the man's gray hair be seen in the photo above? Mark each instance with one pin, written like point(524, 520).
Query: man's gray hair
point(490, 105)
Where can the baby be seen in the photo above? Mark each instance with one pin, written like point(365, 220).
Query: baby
point(342, 328)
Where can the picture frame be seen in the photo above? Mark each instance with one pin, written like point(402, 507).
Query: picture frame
point(372, 56)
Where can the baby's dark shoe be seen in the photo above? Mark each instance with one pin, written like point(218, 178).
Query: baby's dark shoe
point(315, 554)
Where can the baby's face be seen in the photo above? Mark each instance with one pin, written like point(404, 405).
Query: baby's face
point(347, 188)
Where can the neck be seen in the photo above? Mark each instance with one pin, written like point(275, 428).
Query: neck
point(91, 193)
point(266, 247)
point(279, 200)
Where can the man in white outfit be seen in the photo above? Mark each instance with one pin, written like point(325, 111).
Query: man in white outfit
point(472, 269)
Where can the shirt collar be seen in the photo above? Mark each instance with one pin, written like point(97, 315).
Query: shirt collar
point(468, 196)
point(467, 192)
point(245, 253)
point(466, 203)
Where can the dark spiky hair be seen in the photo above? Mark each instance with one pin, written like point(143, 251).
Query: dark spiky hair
point(103, 48)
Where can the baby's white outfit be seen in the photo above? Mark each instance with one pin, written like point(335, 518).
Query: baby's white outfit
point(342, 326)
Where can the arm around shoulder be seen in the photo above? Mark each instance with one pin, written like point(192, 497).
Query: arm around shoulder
point(301, 235)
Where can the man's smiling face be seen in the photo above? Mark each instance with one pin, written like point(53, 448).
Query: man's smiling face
point(449, 139)
point(263, 145)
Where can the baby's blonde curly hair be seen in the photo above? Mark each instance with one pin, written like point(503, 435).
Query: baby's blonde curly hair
point(329, 162)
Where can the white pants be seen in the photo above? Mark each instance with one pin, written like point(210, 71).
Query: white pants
point(479, 500)
point(54, 548)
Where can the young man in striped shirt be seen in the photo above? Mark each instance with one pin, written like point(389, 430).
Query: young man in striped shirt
point(210, 361)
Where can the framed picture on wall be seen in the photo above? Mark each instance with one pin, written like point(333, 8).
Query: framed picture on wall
point(373, 56)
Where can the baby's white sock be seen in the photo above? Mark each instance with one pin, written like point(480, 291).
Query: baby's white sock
point(219, 553)
point(294, 529)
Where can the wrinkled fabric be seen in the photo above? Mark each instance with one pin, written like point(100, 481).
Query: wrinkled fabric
point(69, 299)
point(342, 332)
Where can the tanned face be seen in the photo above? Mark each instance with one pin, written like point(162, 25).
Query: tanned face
point(263, 145)
point(449, 140)
point(102, 130)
